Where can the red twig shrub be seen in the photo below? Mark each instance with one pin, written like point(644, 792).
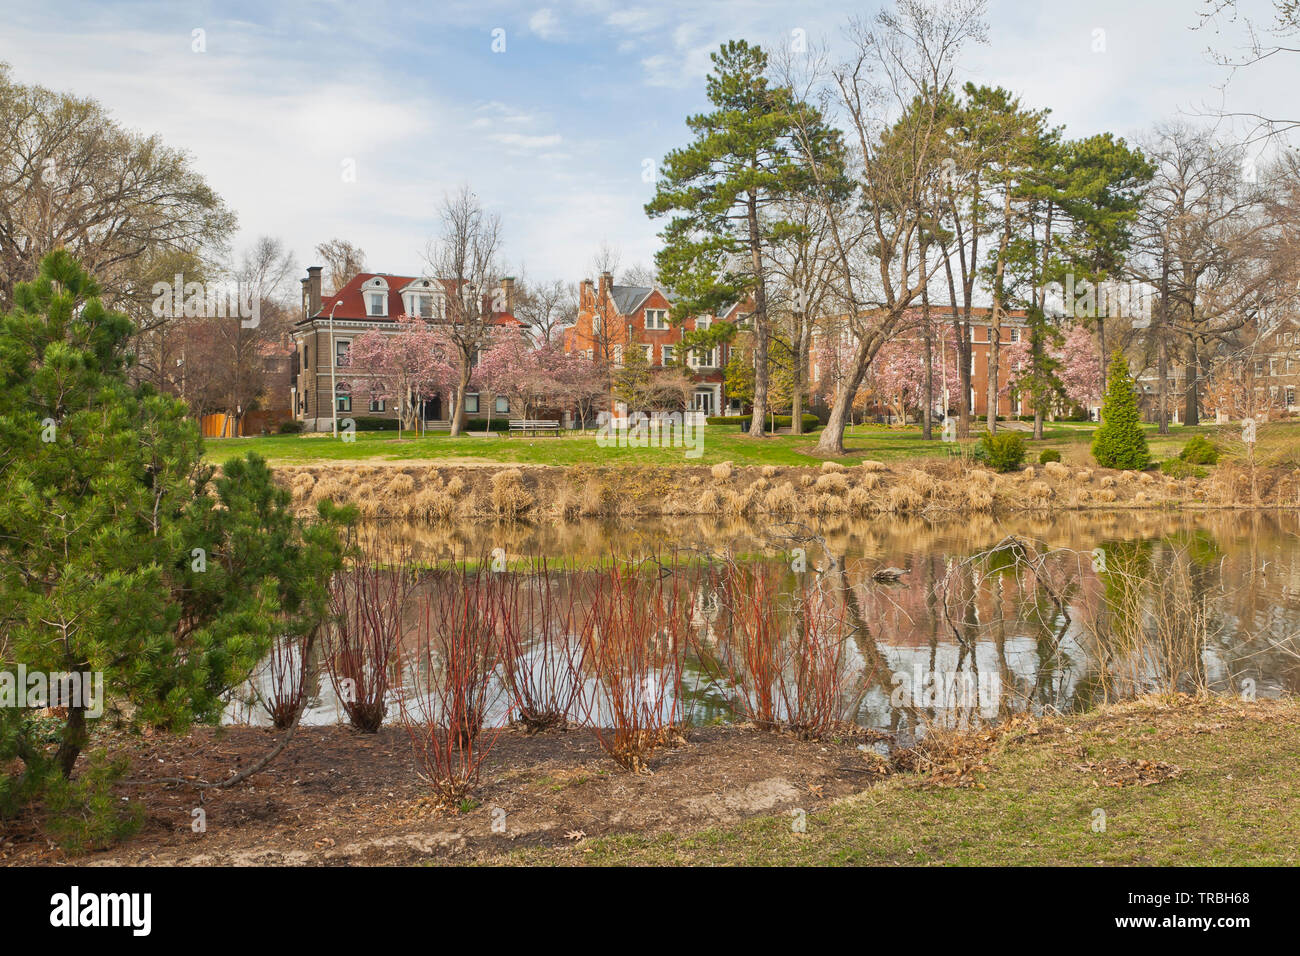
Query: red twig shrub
point(288, 671)
point(635, 634)
point(783, 657)
point(542, 658)
point(367, 603)
point(452, 685)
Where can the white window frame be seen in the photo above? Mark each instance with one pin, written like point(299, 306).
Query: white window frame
point(1015, 335)
point(377, 405)
point(503, 400)
point(471, 397)
point(660, 321)
point(667, 352)
point(649, 354)
point(344, 346)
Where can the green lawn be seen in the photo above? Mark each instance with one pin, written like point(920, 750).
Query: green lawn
point(720, 443)
point(1233, 799)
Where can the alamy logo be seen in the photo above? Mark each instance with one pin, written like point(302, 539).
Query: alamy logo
point(660, 430)
point(1109, 298)
point(194, 300)
point(35, 689)
point(74, 908)
point(946, 690)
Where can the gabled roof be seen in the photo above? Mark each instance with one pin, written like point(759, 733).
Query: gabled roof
point(351, 301)
point(628, 297)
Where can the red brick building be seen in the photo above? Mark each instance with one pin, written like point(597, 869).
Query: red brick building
point(613, 318)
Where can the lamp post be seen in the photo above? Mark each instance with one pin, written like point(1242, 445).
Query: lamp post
point(334, 361)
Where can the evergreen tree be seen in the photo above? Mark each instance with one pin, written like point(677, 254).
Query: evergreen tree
point(1120, 441)
point(632, 380)
point(720, 188)
point(119, 552)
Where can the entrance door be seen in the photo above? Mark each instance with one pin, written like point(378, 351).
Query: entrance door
point(432, 410)
point(704, 401)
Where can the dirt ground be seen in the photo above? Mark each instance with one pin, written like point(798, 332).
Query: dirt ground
point(338, 797)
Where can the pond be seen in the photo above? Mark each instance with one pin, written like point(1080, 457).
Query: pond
point(937, 623)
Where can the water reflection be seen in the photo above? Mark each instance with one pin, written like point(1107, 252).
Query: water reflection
point(1090, 607)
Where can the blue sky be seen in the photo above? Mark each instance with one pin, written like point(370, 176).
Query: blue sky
point(553, 131)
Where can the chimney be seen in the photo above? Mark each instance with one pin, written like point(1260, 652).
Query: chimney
point(508, 290)
point(306, 300)
point(313, 290)
point(606, 282)
point(585, 293)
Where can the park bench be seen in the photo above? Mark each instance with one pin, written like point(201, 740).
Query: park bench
point(526, 425)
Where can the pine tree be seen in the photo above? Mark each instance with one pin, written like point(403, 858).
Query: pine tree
point(720, 187)
point(1120, 441)
point(119, 552)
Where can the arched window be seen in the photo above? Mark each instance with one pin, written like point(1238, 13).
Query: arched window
point(343, 397)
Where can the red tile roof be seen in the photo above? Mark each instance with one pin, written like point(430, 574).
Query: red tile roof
point(352, 305)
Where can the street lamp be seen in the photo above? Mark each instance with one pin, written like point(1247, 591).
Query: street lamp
point(334, 361)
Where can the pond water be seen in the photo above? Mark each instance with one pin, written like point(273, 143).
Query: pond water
point(1072, 610)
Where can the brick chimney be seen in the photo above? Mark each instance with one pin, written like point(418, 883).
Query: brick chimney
point(306, 298)
point(586, 295)
point(606, 283)
point(313, 290)
point(508, 290)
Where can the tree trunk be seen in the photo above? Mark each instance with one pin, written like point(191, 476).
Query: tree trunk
point(1191, 411)
point(832, 437)
point(927, 406)
point(458, 413)
point(760, 325)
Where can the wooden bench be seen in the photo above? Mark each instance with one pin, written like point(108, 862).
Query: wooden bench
point(526, 425)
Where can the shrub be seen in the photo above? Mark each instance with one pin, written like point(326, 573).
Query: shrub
point(1199, 451)
point(542, 661)
point(290, 427)
point(1181, 468)
point(1049, 454)
point(1120, 441)
point(1004, 451)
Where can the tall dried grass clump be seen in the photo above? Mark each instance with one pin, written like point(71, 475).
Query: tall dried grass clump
point(768, 471)
point(710, 502)
point(872, 465)
point(832, 466)
point(301, 485)
point(721, 471)
point(1083, 476)
point(331, 489)
point(1056, 470)
point(903, 498)
point(1039, 491)
point(456, 486)
point(781, 500)
point(832, 482)
point(870, 481)
point(806, 480)
point(860, 500)
point(509, 497)
point(597, 499)
point(400, 485)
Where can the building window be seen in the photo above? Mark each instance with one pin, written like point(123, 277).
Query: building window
point(703, 322)
point(704, 358)
point(376, 303)
point(341, 349)
point(1015, 335)
point(419, 304)
point(595, 323)
point(471, 403)
point(618, 355)
point(649, 353)
point(503, 404)
point(668, 352)
point(343, 398)
point(656, 319)
point(376, 404)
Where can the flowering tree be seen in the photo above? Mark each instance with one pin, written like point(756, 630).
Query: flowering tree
point(525, 374)
point(405, 365)
point(897, 376)
point(1078, 370)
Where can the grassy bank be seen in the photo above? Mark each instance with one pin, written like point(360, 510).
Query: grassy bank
point(1182, 782)
point(720, 443)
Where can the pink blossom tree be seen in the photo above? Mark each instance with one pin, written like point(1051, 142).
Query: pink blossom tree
point(1079, 373)
point(406, 365)
point(897, 376)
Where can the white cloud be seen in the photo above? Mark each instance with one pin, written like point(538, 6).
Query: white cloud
point(544, 24)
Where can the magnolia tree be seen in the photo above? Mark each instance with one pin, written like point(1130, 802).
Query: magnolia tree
point(897, 376)
point(1078, 370)
point(412, 362)
point(534, 377)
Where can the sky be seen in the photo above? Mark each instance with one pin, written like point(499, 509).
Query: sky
point(353, 120)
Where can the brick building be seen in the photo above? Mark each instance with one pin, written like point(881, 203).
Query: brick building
point(612, 318)
point(369, 301)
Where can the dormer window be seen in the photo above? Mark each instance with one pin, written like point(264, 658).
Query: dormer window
point(375, 294)
point(656, 319)
point(703, 322)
